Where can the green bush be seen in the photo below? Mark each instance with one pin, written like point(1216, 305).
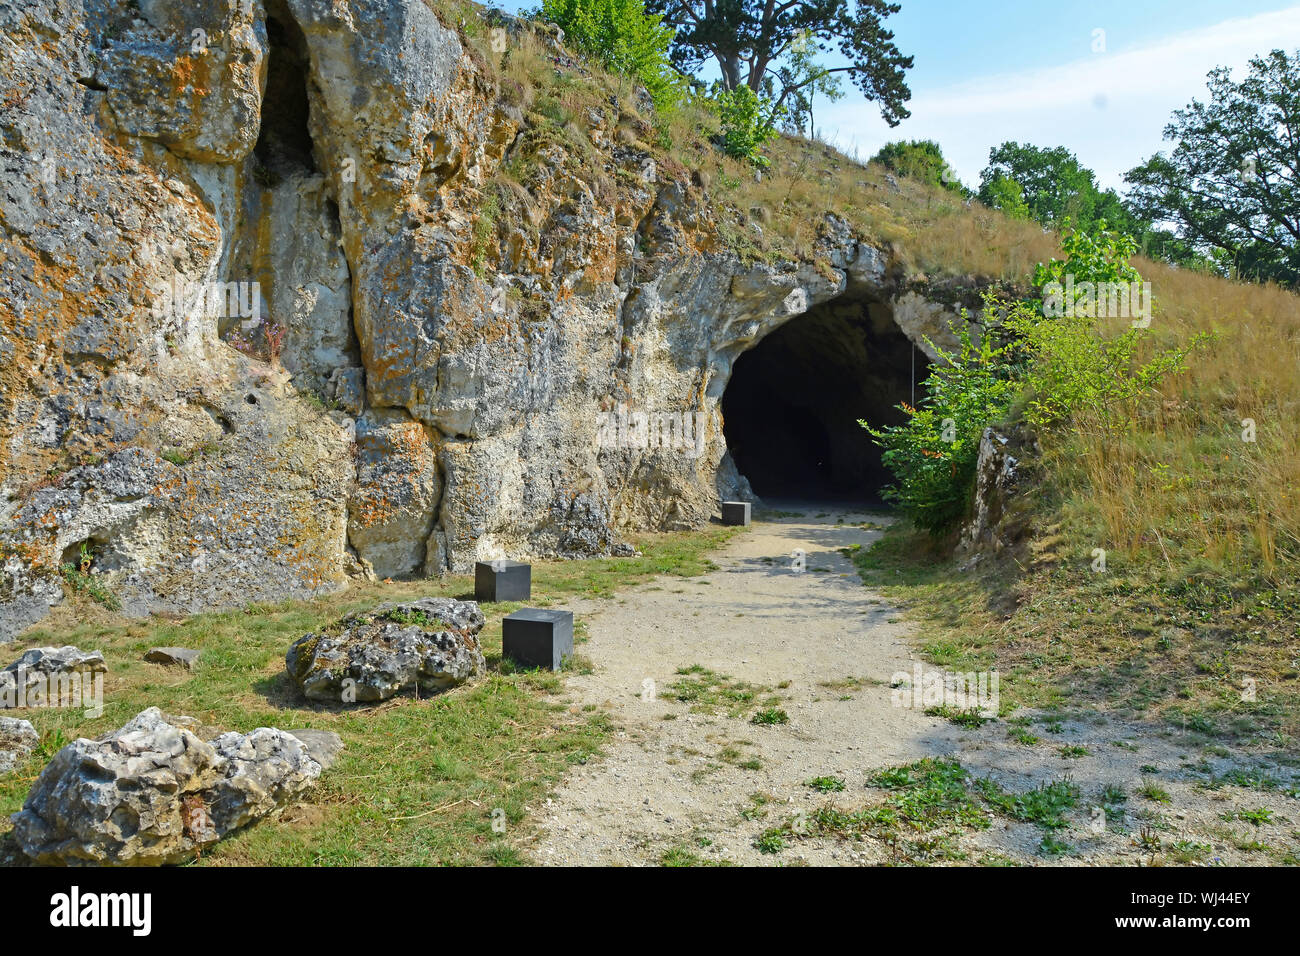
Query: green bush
point(626, 39)
point(1099, 255)
point(933, 454)
point(1070, 362)
point(748, 122)
point(921, 159)
point(1054, 352)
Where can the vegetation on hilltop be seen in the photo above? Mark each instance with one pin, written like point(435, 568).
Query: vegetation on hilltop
point(1201, 527)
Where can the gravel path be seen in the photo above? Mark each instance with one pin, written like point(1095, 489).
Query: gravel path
point(675, 781)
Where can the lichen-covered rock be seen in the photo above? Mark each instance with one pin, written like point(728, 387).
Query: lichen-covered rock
point(152, 792)
point(293, 290)
point(173, 656)
point(998, 519)
point(395, 501)
point(190, 77)
point(426, 646)
point(191, 474)
point(18, 738)
point(42, 674)
point(265, 770)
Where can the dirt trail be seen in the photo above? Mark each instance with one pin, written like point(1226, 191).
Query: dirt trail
point(675, 780)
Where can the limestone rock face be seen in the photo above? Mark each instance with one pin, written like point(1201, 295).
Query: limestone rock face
point(394, 505)
point(292, 290)
point(997, 521)
point(192, 474)
point(209, 59)
point(427, 646)
point(152, 792)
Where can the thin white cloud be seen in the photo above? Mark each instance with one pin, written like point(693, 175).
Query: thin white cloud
point(1109, 108)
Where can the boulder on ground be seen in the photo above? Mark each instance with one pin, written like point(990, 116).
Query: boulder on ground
point(34, 678)
point(18, 738)
point(426, 646)
point(173, 657)
point(152, 792)
point(1000, 518)
point(323, 745)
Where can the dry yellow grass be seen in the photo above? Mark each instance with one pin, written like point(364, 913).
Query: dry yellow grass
point(1181, 491)
point(1186, 484)
point(1201, 527)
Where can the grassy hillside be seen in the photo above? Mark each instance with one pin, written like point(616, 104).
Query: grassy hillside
point(1201, 528)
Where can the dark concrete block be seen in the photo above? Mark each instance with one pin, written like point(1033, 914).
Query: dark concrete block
point(537, 637)
point(503, 581)
point(735, 512)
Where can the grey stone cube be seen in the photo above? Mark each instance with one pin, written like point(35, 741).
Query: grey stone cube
point(537, 637)
point(502, 581)
point(735, 512)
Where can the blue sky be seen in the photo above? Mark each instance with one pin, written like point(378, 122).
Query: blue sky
point(1027, 70)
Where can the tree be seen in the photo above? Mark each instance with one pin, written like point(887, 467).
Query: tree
point(751, 40)
point(622, 36)
point(921, 159)
point(1231, 186)
point(746, 126)
point(1053, 185)
point(1003, 192)
point(806, 78)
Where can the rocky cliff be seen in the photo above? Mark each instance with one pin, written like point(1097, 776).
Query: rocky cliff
point(301, 289)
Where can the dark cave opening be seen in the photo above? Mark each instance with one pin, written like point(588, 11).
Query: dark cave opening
point(792, 406)
point(284, 142)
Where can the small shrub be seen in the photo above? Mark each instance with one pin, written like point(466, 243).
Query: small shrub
point(1069, 364)
point(933, 454)
point(748, 123)
point(626, 39)
point(920, 159)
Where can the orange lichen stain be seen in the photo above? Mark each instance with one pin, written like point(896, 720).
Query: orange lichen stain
point(409, 449)
point(192, 73)
point(263, 251)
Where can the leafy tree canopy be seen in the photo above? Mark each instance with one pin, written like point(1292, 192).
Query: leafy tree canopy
point(1053, 185)
point(754, 43)
point(1231, 185)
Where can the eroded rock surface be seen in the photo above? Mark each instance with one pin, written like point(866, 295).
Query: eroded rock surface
point(425, 646)
point(152, 792)
point(173, 656)
point(999, 518)
point(295, 290)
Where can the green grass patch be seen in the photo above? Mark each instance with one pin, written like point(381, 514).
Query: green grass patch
point(420, 778)
point(710, 693)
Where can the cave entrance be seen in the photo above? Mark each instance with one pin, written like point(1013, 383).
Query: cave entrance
point(791, 408)
point(284, 143)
